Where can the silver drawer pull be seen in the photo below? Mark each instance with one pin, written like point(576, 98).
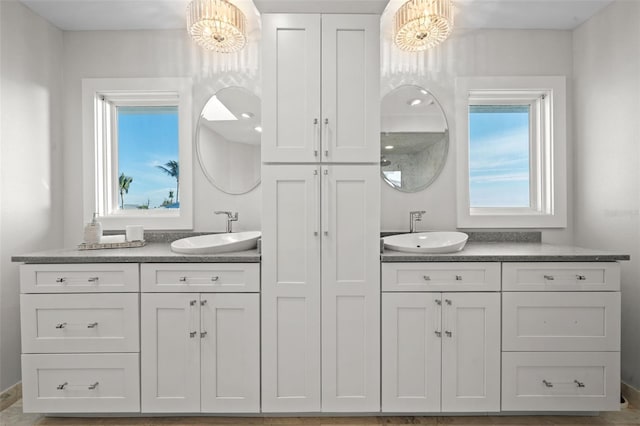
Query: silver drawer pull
point(448, 333)
point(193, 302)
point(92, 325)
point(547, 384)
point(579, 384)
point(65, 280)
point(216, 278)
point(438, 302)
point(66, 385)
point(439, 334)
point(203, 334)
point(426, 277)
point(448, 301)
point(183, 279)
point(192, 334)
point(549, 277)
point(203, 302)
point(61, 325)
point(581, 277)
point(458, 277)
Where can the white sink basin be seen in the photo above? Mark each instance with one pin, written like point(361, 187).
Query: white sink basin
point(427, 242)
point(217, 243)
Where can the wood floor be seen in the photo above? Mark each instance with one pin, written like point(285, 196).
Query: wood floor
point(13, 416)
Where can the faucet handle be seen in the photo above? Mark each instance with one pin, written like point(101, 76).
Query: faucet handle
point(233, 216)
point(417, 214)
point(228, 213)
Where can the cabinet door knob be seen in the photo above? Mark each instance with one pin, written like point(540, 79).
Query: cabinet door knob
point(549, 277)
point(192, 334)
point(439, 334)
point(448, 333)
point(203, 334)
point(458, 277)
point(547, 384)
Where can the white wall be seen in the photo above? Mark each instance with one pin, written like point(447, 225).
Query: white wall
point(607, 153)
point(30, 155)
point(469, 53)
point(115, 54)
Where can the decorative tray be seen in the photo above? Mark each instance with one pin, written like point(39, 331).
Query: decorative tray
point(100, 246)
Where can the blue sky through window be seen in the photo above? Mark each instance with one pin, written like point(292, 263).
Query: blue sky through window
point(499, 156)
point(147, 138)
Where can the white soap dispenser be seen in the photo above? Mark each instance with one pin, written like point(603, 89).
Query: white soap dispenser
point(93, 231)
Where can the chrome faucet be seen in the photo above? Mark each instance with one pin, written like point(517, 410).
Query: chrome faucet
point(415, 216)
point(231, 217)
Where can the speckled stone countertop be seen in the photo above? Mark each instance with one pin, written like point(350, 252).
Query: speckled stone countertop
point(153, 252)
point(509, 252)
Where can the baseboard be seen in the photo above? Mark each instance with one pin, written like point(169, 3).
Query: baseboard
point(10, 396)
point(632, 394)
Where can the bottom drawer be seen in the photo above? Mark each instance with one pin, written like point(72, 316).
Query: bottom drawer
point(560, 381)
point(81, 383)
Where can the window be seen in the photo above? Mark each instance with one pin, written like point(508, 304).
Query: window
point(511, 152)
point(137, 152)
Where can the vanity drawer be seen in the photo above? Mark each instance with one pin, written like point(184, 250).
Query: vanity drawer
point(561, 276)
point(81, 383)
point(560, 321)
point(79, 278)
point(201, 277)
point(560, 381)
point(444, 276)
point(62, 323)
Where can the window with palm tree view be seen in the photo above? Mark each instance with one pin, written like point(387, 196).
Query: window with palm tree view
point(148, 169)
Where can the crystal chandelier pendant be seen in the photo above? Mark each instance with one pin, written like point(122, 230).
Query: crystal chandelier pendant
point(421, 24)
point(216, 25)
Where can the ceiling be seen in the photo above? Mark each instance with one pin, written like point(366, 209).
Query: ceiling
point(75, 15)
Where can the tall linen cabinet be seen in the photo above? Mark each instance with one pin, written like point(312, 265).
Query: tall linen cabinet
point(321, 213)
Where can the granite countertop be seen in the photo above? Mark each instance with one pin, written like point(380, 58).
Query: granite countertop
point(152, 252)
point(509, 252)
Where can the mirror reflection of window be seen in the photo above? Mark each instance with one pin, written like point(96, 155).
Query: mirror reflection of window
point(228, 141)
point(414, 139)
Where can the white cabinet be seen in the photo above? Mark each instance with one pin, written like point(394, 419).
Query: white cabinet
point(200, 353)
point(561, 336)
point(320, 243)
point(321, 87)
point(440, 352)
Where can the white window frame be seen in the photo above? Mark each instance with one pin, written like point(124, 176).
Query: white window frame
point(546, 97)
point(100, 97)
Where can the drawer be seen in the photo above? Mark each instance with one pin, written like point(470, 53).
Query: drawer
point(81, 383)
point(561, 276)
point(62, 323)
point(201, 277)
point(79, 278)
point(560, 381)
point(445, 276)
point(560, 321)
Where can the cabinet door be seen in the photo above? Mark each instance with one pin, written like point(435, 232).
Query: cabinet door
point(291, 88)
point(470, 352)
point(290, 289)
point(411, 350)
point(230, 353)
point(350, 288)
point(351, 88)
point(170, 353)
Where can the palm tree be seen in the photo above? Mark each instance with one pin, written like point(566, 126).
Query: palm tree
point(124, 182)
point(172, 169)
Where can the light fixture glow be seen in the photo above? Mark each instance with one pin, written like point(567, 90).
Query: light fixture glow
point(258, 129)
point(247, 115)
point(216, 25)
point(415, 102)
point(421, 24)
point(388, 147)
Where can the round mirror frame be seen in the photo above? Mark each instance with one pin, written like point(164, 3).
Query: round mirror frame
point(199, 154)
point(445, 153)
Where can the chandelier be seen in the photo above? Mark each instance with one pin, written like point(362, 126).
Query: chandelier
point(216, 25)
point(421, 24)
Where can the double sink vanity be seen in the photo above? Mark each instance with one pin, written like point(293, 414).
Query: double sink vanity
point(496, 327)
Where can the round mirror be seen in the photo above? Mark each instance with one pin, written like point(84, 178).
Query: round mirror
point(228, 140)
point(414, 138)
